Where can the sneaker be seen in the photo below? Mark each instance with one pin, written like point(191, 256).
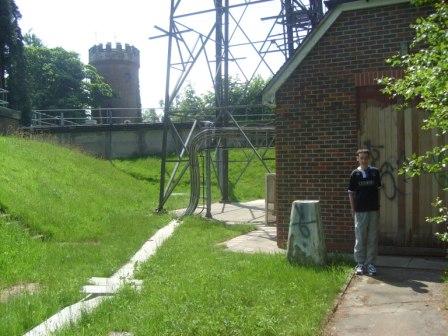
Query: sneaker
point(359, 269)
point(371, 269)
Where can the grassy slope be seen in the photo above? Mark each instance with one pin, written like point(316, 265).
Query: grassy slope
point(249, 187)
point(194, 287)
point(70, 217)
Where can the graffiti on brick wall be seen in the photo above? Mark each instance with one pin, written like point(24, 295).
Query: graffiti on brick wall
point(387, 169)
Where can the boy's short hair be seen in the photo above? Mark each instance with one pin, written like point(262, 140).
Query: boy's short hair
point(363, 151)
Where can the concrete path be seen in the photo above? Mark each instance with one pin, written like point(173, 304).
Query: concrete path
point(407, 297)
point(252, 212)
point(261, 240)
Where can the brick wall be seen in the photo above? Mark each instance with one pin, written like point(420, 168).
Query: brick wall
point(317, 121)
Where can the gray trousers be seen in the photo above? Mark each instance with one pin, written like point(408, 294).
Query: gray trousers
point(366, 235)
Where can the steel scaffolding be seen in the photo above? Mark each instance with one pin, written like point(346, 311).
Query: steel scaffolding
point(222, 32)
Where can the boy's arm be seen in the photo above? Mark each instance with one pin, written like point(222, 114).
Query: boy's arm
point(351, 193)
point(352, 202)
point(379, 185)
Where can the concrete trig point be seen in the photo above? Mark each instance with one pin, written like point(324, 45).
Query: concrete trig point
point(306, 244)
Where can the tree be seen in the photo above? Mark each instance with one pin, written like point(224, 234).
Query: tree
point(191, 105)
point(150, 115)
point(59, 80)
point(12, 60)
point(96, 89)
point(425, 85)
point(31, 39)
point(246, 93)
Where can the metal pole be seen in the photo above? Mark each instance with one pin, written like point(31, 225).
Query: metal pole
point(317, 12)
point(166, 111)
point(289, 12)
point(109, 136)
point(224, 152)
point(218, 49)
point(219, 95)
point(176, 167)
point(250, 144)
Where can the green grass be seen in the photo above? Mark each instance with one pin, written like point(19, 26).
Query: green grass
point(69, 217)
point(248, 186)
point(192, 286)
point(65, 217)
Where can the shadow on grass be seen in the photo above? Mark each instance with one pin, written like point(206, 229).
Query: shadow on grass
point(333, 260)
point(232, 196)
point(339, 259)
point(31, 232)
point(134, 175)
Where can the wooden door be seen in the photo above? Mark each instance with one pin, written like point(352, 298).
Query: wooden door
point(405, 203)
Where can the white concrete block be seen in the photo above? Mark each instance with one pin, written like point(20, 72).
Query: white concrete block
point(306, 242)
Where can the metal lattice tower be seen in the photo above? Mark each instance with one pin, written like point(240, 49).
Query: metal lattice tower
point(224, 42)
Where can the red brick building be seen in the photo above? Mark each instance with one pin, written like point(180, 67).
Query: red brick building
point(328, 104)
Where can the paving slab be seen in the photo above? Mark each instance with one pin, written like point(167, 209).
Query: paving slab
point(429, 263)
point(436, 264)
point(252, 212)
point(398, 301)
point(261, 240)
point(422, 263)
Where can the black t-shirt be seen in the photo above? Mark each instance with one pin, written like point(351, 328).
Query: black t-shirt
point(365, 189)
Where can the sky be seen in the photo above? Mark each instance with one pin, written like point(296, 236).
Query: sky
point(77, 25)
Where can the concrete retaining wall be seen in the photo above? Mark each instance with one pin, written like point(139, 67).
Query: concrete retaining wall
point(9, 120)
point(114, 141)
point(131, 140)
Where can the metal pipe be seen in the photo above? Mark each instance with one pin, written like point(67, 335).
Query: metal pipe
point(208, 182)
point(197, 144)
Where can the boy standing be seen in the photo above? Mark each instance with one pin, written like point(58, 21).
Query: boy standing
point(364, 201)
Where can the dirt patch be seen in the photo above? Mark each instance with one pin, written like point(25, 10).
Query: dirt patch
point(16, 290)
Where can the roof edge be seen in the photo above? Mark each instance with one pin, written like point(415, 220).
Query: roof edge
point(268, 96)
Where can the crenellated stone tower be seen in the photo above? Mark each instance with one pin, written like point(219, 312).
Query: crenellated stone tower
point(120, 67)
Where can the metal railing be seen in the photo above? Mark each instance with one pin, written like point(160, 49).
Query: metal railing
point(86, 117)
point(243, 114)
point(4, 98)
